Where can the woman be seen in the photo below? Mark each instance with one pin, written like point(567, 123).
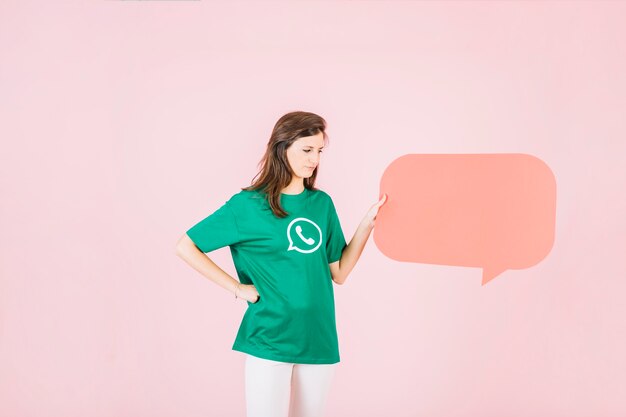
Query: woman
point(287, 247)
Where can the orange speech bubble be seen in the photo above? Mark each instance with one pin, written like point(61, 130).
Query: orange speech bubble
point(494, 211)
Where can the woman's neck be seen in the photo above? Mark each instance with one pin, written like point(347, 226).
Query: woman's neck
point(295, 187)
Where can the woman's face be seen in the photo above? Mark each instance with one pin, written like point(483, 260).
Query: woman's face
point(304, 154)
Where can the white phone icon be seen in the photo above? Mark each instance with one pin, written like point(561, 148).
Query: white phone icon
point(307, 240)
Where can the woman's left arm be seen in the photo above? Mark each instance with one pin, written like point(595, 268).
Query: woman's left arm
point(340, 269)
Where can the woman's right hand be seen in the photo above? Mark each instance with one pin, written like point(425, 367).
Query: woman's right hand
point(248, 292)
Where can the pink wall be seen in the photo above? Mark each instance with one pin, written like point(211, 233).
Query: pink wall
point(125, 122)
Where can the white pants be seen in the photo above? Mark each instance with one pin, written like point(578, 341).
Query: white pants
point(281, 389)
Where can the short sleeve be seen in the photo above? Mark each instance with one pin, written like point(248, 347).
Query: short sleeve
point(335, 240)
point(217, 230)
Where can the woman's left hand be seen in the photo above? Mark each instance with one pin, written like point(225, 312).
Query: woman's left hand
point(370, 217)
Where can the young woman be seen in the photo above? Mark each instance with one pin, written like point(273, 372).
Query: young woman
point(287, 247)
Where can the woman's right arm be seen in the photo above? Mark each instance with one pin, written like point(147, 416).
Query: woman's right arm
point(198, 260)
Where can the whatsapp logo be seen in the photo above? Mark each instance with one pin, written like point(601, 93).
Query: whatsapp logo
point(304, 235)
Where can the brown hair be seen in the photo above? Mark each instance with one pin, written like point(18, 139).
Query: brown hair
point(275, 173)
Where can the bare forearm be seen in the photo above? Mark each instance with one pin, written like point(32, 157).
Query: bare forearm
point(352, 252)
point(204, 265)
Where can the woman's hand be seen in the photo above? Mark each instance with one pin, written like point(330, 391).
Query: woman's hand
point(370, 217)
point(247, 292)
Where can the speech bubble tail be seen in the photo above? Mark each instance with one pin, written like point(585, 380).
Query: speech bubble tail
point(490, 273)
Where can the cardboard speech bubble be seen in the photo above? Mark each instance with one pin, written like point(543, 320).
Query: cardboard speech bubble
point(493, 211)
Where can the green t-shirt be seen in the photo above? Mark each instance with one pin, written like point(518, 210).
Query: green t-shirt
point(287, 261)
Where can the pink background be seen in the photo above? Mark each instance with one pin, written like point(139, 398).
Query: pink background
point(125, 122)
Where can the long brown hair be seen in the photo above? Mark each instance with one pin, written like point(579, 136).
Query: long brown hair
point(275, 171)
